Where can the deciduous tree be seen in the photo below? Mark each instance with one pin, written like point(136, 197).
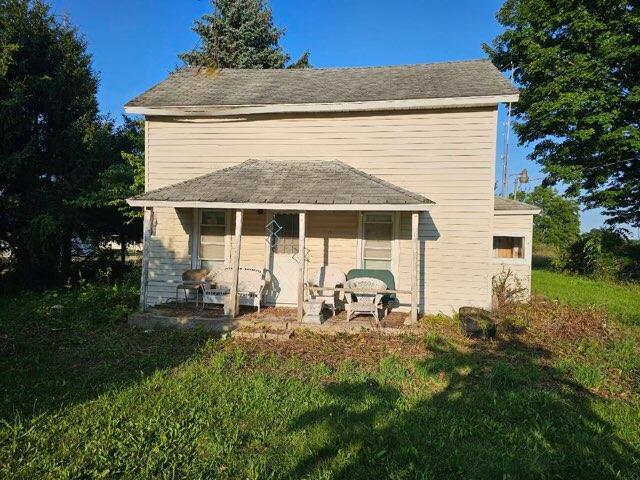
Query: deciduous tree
point(558, 223)
point(577, 63)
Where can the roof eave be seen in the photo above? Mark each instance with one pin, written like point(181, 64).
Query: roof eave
point(523, 211)
point(416, 207)
point(378, 105)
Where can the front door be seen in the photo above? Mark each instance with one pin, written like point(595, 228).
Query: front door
point(283, 259)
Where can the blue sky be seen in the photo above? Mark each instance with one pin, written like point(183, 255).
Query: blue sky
point(135, 43)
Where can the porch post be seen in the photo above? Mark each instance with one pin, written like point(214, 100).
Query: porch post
point(147, 230)
point(232, 306)
point(415, 262)
point(301, 264)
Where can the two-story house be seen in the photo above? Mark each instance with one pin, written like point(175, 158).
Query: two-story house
point(377, 168)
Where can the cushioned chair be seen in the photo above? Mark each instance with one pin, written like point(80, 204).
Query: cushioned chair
point(366, 302)
point(389, 299)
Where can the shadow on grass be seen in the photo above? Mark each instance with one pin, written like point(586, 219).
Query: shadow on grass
point(44, 368)
point(495, 414)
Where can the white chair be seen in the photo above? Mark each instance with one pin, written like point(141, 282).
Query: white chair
point(327, 276)
point(251, 285)
point(364, 303)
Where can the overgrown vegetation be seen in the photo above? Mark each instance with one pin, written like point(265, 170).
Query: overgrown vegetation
point(86, 396)
point(621, 300)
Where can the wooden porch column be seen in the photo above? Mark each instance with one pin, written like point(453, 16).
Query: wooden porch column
point(232, 306)
point(301, 264)
point(415, 262)
point(147, 230)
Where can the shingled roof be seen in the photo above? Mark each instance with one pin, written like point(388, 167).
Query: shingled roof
point(197, 86)
point(506, 204)
point(322, 184)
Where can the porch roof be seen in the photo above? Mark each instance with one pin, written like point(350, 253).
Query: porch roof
point(286, 185)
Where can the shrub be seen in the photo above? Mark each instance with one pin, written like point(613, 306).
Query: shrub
point(601, 253)
point(507, 289)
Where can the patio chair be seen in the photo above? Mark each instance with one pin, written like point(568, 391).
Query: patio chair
point(364, 303)
point(327, 276)
point(389, 300)
point(191, 280)
point(251, 285)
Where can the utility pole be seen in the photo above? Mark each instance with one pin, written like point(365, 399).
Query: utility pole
point(505, 153)
point(505, 150)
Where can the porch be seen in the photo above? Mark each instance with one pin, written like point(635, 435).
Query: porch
point(270, 322)
point(274, 216)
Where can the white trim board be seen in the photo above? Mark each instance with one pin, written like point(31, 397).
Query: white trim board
point(375, 105)
point(416, 207)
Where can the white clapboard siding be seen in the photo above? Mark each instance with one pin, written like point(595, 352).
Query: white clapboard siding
point(448, 156)
point(516, 225)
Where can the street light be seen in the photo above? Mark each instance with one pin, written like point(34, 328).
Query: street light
point(523, 177)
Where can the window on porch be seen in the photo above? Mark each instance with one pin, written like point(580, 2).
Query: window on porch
point(377, 240)
point(212, 241)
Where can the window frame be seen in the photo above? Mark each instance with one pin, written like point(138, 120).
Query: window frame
point(526, 248)
point(196, 259)
point(395, 235)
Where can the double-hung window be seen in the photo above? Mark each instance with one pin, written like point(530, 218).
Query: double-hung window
point(377, 240)
point(212, 239)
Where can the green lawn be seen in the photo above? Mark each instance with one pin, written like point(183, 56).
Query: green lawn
point(620, 300)
point(83, 396)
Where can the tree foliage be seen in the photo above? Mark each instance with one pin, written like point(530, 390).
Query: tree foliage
point(578, 65)
point(48, 114)
point(240, 34)
point(122, 149)
point(64, 173)
point(558, 223)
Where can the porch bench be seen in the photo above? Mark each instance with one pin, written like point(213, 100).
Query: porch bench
point(251, 285)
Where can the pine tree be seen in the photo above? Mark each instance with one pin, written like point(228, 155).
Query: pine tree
point(240, 34)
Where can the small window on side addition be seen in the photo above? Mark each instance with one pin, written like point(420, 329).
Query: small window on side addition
point(508, 247)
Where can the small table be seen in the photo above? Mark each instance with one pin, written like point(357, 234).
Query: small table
point(185, 286)
point(313, 311)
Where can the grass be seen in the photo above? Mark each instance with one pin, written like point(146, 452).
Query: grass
point(621, 300)
point(83, 396)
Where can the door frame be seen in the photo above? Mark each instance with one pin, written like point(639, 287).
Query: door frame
point(269, 256)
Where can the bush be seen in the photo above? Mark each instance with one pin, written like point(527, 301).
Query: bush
point(602, 253)
point(84, 306)
point(507, 290)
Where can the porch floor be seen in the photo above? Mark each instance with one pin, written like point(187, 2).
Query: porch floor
point(270, 321)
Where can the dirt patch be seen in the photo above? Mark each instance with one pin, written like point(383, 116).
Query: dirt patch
point(550, 319)
point(364, 348)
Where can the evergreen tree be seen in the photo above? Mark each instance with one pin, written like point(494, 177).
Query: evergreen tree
point(48, 113)
point(240, 34)
point(578, 65)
